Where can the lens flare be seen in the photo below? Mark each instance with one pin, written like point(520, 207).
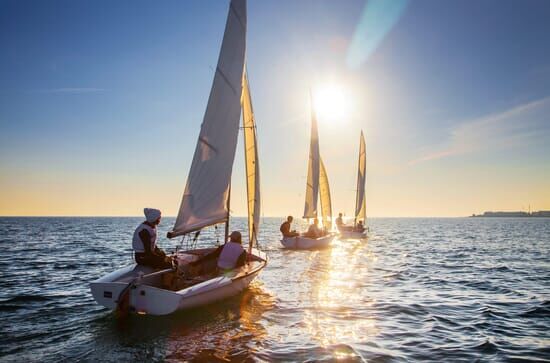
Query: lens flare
point(377, 20)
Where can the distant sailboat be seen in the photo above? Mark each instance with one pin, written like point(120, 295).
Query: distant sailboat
point(206, 199)
point(317, 184)
point(358, 230)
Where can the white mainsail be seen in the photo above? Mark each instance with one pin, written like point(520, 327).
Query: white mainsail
point(252, 164)
point(360, 199)
point(204, 201)
point(324, 191)
point(312, 186)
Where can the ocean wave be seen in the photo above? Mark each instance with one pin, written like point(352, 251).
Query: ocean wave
point(416, 290)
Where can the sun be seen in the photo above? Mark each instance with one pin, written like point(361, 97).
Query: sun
point(331, 103)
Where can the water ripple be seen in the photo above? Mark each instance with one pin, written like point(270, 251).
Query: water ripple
point(417, 290)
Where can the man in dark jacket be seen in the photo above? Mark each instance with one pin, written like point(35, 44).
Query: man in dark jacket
point(285, 228)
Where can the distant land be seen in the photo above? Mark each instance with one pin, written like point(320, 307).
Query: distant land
point(540, 213)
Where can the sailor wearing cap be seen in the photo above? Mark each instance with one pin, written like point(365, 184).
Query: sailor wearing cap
point(144, 242)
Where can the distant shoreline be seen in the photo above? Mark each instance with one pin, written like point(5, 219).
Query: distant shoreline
point(538, 214)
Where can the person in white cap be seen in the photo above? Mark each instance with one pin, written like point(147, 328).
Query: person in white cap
point(144, 242)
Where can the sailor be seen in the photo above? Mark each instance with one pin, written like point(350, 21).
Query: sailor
point(314, 231)
point(144, 242)
point(285, 228)
point(360, 227)
point(232, 254)
point(339, 220)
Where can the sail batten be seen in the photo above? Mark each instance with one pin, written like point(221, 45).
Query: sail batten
point(204, 201)
point(312, 184)
point(360, 199)
point(252, 164)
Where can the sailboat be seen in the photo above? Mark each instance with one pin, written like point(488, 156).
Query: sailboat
point(206, 199)
point(356, 231)
point(317, 186)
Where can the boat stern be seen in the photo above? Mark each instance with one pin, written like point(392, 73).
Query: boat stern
point(107, 293)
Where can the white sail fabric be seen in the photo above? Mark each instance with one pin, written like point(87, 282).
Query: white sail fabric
point(324, 191)
point(205, 197)
point(312, 186)
point(360, 199)
point(252, 164)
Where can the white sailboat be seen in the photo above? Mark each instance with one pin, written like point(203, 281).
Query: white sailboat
point(356, 231)
point(206, 198)
point(317, 185)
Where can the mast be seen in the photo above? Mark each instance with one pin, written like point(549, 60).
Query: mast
point(227, 219)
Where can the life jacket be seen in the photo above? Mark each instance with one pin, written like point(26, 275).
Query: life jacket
point(137, 243)
point(230, 255)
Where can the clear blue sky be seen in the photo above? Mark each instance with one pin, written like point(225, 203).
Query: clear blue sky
point(101, 102)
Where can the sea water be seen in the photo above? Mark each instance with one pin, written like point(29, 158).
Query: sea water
point(447, 290)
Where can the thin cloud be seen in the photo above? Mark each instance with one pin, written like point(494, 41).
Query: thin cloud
point(510, 128)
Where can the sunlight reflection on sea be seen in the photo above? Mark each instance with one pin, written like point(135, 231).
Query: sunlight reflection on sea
point(418, 289)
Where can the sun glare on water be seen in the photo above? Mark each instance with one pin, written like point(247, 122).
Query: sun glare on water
point(331, 103)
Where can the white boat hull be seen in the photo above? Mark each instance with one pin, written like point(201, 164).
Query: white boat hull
point(146, 297)
point(305, 243)
point(353, 235)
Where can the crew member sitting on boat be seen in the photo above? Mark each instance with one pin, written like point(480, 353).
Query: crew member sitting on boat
point(342, 227)
point(339, 221)
point(144, 242)
point(232, 254)
point(314, 231)
point(360, 227)
point(228, 256)
point(285, 228)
